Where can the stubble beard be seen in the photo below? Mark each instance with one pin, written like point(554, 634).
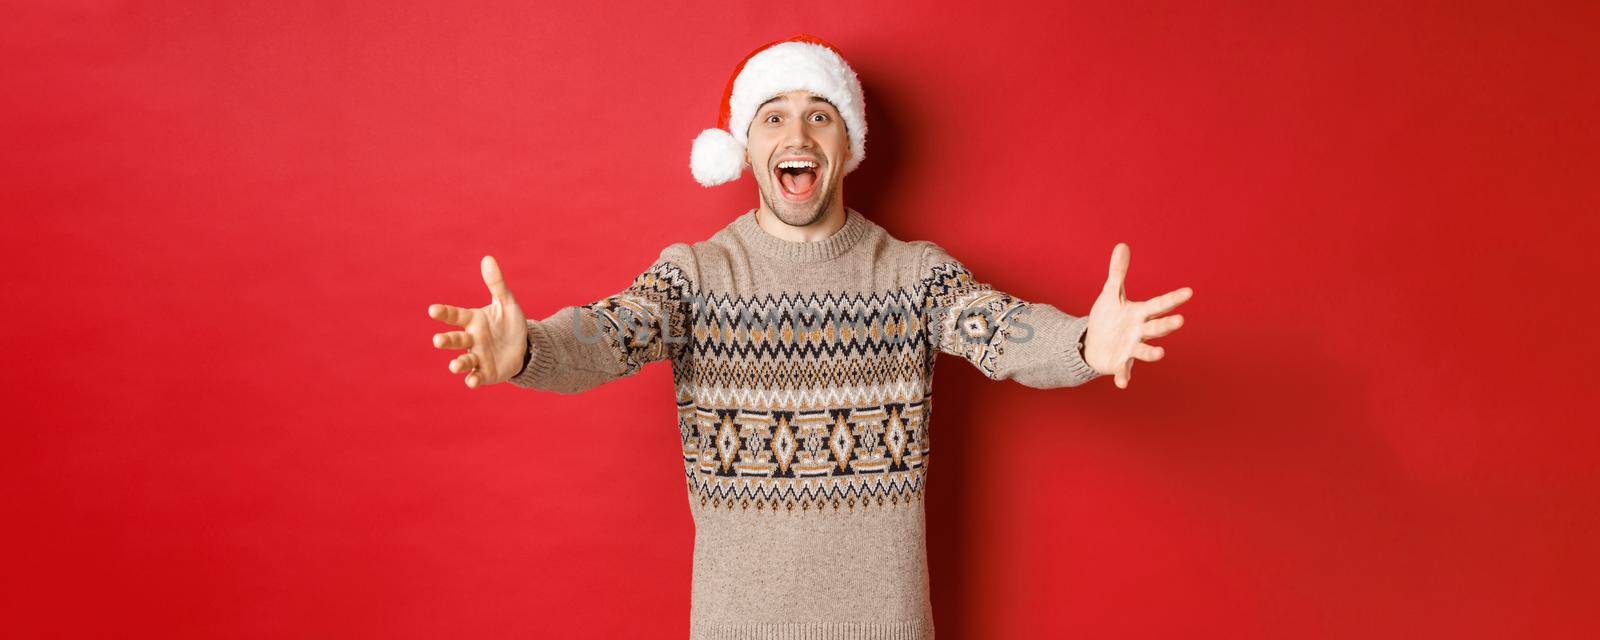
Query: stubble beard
point(795, 214)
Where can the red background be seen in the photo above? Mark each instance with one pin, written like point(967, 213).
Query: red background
point(224, 224)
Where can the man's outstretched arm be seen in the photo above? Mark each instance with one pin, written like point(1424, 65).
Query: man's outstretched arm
point(577, 347)
point(1037, 344)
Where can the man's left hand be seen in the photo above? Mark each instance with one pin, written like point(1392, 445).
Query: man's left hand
point(1118, 328)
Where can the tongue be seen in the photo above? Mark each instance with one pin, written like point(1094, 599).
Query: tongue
point(798, 182)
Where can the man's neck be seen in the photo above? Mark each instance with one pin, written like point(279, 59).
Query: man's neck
point(829, 222)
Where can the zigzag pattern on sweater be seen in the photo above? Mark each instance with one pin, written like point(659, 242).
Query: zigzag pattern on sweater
point(794, 327)
point(631, 321)
point(970, 318)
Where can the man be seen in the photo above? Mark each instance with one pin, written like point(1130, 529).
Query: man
point(802, 338)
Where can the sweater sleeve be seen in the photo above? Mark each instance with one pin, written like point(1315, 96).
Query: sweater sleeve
point(1006, 338)
point(580, 347)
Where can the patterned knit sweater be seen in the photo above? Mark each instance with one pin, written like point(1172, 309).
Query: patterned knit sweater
point(804, 376)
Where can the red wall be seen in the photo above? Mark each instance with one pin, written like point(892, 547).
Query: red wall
point(224, 225)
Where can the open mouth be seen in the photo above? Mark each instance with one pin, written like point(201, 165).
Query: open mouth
point(797, 179)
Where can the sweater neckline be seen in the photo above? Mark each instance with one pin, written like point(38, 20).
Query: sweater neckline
point(855, 227)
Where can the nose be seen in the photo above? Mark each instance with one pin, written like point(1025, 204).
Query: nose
point(796, 135)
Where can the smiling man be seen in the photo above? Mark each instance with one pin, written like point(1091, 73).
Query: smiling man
point(803, 338)
point(800, 185)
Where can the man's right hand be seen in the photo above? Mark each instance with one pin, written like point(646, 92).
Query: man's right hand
point(495, 337)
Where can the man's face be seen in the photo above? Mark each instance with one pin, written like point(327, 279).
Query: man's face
point(798, 126)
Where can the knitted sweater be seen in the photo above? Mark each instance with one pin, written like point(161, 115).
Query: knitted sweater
point(804, 376)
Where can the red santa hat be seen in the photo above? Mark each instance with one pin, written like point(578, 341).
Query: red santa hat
point(800, 63)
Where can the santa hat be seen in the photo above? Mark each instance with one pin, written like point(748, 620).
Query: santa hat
point(800, 63)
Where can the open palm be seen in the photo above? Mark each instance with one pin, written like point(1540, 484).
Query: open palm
point(494, 336)
point(1117, 327)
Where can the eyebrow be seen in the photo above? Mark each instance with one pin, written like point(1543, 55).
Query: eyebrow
point(812, 100)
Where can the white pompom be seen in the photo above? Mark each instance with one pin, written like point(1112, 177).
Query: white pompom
point(716, 157)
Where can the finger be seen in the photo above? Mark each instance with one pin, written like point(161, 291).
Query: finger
point(1166, 302)
point(464, 363)
point(453, 340)
point(451, 315)
point(472, 380)
point(1120, 256)
point(1160, 327)
point(1121, 377)
point(496, 282)
point(1147, 353)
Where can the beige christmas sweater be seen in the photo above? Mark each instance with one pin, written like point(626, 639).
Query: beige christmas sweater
point(804, 378)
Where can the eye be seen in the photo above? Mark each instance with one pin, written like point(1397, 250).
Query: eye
point(770, 116)
point(820, 114)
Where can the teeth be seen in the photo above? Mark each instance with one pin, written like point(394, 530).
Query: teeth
point(797, 164)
